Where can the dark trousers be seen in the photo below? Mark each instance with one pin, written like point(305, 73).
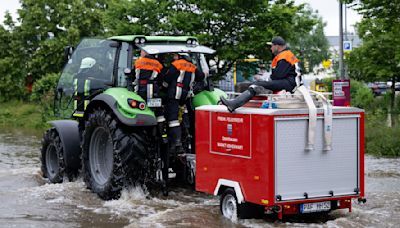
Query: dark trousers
point(276, 85)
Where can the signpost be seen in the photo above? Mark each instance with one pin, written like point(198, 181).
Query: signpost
point(347, 46)
point(341, 92)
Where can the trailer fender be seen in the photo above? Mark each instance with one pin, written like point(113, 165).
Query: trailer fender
point(233, 184)
point(70, 139)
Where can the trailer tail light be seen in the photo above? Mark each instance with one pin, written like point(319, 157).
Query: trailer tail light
point(342, 204)
point(136, 104)
point(290, 209)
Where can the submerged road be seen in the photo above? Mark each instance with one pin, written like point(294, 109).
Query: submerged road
point(26, 200)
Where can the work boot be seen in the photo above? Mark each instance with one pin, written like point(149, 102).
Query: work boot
point(239, 101)
point(174, 136)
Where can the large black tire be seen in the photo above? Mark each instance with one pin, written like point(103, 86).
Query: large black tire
point(231, 209)
point(107, 149)
point(52, 157)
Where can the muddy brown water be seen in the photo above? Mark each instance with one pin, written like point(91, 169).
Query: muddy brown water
point(26, 200)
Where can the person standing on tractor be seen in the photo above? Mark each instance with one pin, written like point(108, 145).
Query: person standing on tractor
point(285, 69)
point(147, 81)
point(179, 81)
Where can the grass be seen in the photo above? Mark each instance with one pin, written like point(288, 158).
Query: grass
point(381, 140)
point(22, 115)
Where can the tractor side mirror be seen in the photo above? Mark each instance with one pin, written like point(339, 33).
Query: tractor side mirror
point(68, 50)
point(128, 72)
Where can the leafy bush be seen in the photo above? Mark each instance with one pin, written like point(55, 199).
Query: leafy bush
point(381, 140)
point(44, 87)
point(43, 93)
point(361, 95)
point(328, 83)
point(12, 80)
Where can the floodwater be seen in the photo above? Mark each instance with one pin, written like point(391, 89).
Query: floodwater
point(26, 200)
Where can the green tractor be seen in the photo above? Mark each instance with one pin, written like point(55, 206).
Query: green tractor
point(109, 134)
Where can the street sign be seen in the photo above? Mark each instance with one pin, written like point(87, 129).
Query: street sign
point(327, 63)
point(347, 46)
point(341, 92)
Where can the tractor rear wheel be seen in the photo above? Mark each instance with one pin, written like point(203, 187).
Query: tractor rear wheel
point(52, 157)
point(106, 150)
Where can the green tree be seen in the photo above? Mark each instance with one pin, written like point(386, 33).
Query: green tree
point(378, 58)
point(312, 46)
point(35, 44)
point(47, 26)
point(11, 68)
point(235, 28)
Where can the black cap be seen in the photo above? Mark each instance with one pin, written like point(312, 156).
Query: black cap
point(277, 40)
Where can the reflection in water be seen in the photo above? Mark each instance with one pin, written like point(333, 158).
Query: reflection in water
point(27, 200)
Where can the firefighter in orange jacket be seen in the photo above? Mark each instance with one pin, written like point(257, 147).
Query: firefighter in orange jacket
point(285, 69)
point(179, 81)
point(148, 79)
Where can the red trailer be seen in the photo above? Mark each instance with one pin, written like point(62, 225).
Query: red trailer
point(259, 160)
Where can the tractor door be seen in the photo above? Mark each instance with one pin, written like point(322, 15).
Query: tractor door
point(90, 70)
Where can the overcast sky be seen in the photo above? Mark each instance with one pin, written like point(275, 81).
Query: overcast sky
point(328, 9)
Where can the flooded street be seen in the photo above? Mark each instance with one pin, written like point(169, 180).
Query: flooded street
point(28, 201)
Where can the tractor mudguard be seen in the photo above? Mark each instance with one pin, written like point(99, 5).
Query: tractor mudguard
point(208, 97)
point(70, 139)
point(117, 100)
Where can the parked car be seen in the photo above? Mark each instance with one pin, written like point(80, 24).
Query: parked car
point(396, 86)
point(378, 88)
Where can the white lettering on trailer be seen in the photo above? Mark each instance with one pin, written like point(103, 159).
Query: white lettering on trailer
point(229, 139)
point(235, 120)
point(234, 146)
point(230, 146)
point(219, 144)
point(226, 145)
point(221, 118)
point(230, 119)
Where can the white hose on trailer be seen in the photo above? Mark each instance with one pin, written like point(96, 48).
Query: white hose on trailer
point(312, 116)
point(328, 121)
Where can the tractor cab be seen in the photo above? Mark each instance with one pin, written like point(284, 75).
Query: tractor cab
point(89, 71)
point(98, 64)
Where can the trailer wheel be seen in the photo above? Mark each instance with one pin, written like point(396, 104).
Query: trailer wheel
point(52, 157)
point(229, 204)
point(106, 149)
point(231, 209)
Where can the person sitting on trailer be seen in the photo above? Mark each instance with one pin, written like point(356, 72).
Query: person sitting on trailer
point(285, 69)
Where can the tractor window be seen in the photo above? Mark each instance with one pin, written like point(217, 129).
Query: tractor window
point(122, 64)
point(89, 70)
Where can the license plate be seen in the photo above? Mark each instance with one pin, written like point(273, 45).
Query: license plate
point(315, 207)
point(154, 102)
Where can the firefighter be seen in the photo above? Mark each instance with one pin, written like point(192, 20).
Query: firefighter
point(285, 75)
point(179, 81)
point(148, 77)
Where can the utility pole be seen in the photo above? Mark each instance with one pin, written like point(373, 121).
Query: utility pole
point(341, 68)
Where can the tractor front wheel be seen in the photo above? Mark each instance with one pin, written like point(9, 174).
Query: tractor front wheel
point(52, 157)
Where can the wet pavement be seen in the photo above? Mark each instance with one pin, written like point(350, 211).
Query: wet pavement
point(26, 200)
